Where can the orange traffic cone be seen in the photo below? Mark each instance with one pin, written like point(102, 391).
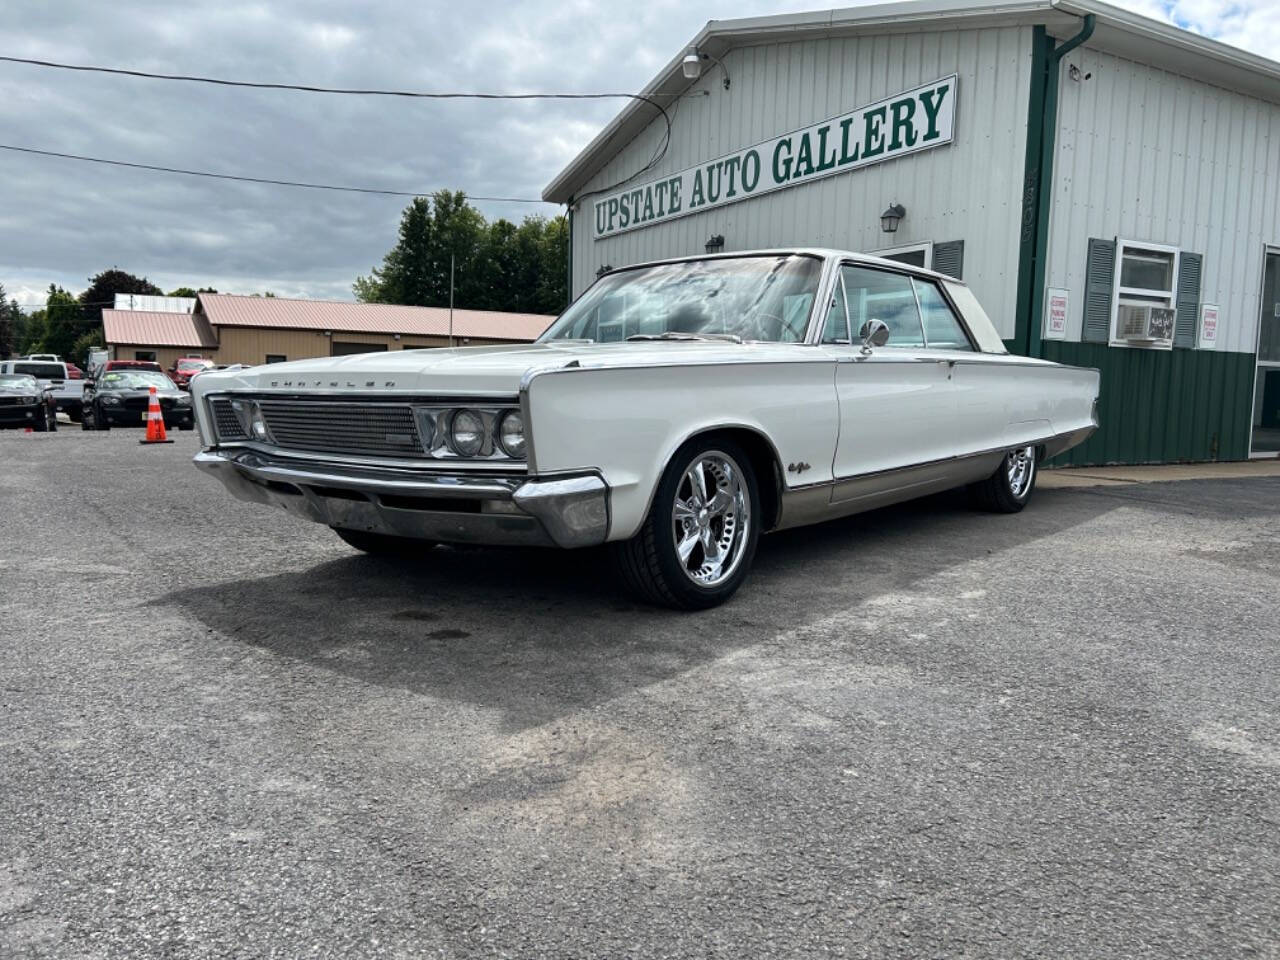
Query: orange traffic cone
point(155, 421)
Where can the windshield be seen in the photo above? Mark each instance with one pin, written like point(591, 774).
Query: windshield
point(194, 364)
point(17, 381)
point(751, 298)
point(135, 380)
point(45, 371)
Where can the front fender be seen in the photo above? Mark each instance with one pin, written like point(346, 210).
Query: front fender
point(626, 423)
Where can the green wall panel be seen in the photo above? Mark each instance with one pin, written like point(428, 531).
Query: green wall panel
point(1161, 406)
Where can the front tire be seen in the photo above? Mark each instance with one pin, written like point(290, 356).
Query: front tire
point(1009, 488)
point(384, 545)
point(697, 544)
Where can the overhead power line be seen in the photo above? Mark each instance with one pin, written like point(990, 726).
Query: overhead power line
point(246, 179)
point(659, 153)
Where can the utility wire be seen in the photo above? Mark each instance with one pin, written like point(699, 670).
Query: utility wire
point(372, 92)
point(245, 179)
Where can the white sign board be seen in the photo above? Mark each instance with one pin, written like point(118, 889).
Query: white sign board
point(1055, 314)
point(919, 119)
point(1208, 326)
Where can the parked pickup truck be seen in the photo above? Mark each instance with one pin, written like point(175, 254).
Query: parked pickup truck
point(68, 394)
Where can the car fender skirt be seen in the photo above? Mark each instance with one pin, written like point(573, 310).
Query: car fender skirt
point(501, 510)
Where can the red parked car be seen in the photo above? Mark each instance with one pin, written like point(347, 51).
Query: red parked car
point(74, 372)
point(184, 368)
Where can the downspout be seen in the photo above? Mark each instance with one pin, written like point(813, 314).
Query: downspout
point(1038, 192)
point(568, 213)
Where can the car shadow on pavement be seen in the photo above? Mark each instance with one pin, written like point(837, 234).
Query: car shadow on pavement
point(535, 634)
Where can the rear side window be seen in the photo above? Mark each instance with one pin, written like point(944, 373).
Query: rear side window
point(888, 297)
point(44, 371)
point(941, 328)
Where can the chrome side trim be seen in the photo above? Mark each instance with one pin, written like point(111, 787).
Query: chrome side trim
point(845, 496)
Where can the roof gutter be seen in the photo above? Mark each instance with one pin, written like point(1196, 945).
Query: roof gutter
point(1042, 129)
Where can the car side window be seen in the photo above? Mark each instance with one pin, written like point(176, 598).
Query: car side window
point(888, 297)
point(942, 330)
point(836, 327)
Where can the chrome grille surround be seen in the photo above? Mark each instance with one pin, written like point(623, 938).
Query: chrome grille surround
point(371, 428)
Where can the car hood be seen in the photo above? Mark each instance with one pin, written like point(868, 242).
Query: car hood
point(13, 392)
point(487, 371)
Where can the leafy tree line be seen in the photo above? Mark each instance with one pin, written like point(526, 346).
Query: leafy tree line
point(67, 324)
point(498, 265)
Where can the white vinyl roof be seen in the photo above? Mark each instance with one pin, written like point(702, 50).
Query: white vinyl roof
point(1116, 31)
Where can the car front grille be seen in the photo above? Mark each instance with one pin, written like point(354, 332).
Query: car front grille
point(369, 429)
point(225, 420)
point(13, 401)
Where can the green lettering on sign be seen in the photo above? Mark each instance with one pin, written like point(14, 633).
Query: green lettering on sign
point(906, 123)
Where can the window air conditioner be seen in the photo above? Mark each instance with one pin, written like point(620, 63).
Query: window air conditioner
point(1144, 323)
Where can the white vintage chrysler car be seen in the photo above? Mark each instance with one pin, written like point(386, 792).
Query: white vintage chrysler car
point(675, 411)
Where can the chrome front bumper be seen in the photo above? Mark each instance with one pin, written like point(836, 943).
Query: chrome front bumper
point(452, 508)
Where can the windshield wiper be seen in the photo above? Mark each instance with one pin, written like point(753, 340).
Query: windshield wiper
point(674, 335)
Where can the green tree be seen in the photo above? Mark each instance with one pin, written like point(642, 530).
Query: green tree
point(64, 323)
point(102, 291)
point(498, 265)
point(9, 314)
point(181, 292)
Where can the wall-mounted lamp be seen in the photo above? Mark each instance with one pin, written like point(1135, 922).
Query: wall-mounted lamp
point(890, 219)
point(396, 336)
point(328, 333)
point(603, 270)
point(715, 243)
point(691, 64)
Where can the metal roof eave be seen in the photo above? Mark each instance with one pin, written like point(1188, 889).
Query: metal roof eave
point(1119, 31)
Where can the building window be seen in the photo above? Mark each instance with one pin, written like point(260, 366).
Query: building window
point(276, 358)
point(1144, 297)
point(917, 255)
point(145, 355)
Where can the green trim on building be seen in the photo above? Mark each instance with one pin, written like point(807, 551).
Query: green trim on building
point(1041, 45)
point(1161, 406)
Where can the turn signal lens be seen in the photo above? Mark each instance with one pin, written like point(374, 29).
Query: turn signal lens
point(511, 434)
point(466, 433)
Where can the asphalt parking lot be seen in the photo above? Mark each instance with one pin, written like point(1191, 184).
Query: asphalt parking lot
point(924, 732)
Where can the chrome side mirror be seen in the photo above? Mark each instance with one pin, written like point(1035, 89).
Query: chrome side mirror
point(874, 333)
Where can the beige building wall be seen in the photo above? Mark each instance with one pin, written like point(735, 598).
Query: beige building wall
point(165, 356)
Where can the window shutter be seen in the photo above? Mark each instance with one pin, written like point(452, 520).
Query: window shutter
point(1099, 282)
point(1188, 305)
point(948, 258)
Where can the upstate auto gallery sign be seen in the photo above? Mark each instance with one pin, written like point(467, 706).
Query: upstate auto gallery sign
point(919, 119)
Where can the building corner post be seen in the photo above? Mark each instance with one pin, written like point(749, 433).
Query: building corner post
point(1037, 199)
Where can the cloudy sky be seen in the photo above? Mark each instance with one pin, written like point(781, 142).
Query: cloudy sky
point(61, 221)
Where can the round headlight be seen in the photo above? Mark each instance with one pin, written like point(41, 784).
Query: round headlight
point(184, 400)
point(511, 434)
point(466, 433)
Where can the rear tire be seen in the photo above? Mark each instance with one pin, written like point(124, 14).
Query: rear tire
point(696, 546)
point(1009, 488)
point(384, 545)
point(46, 422)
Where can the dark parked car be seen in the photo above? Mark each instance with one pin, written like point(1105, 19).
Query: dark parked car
point(24, 403)
point(121, 397)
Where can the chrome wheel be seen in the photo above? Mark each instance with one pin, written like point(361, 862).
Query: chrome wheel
point(711, 517)
point(1021, 465)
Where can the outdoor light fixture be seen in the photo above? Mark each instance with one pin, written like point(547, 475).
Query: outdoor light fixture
point(397, 336)
point(691, 64)
point(890, 219)
point(715, 243)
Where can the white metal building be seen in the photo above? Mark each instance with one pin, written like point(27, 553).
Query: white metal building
point(1108, 185)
